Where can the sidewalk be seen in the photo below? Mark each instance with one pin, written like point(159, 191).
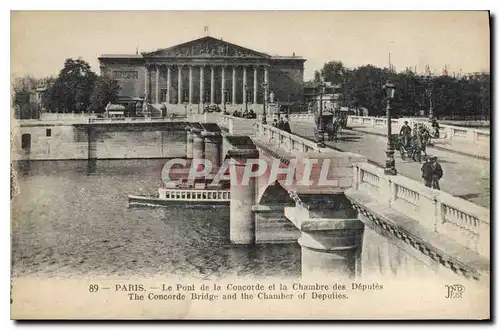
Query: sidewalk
point(466, 149)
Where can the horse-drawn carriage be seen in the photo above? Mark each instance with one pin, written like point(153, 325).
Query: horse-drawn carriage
point(412, 146)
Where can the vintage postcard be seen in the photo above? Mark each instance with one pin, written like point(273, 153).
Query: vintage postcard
point(250, 165)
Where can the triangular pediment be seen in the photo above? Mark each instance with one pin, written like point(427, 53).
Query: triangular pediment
point(207, 47)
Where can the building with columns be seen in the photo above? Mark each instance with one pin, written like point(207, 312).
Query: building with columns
point(206, 71)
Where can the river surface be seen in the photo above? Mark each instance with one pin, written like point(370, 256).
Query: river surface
point(68, 223)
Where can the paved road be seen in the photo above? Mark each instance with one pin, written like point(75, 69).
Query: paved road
point(464, 176)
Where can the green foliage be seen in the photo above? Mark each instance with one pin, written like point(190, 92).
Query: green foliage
point(450, 97)
point(72, 88)
point(105, 91)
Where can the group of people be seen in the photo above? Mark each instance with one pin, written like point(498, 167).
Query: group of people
point(432, 171)
point(247, 114)
point(283, 124)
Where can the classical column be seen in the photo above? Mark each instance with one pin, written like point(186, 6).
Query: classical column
point(212, 85)
point(190, 84)
point(242, 217)
point(223, 84)
point(234, 85)
point(146, 82)
point(157, 84)
point(266, 82)
point(179, 84)
point(201, 84)
point(169, 81)
point(255, 84)
point(244, 84)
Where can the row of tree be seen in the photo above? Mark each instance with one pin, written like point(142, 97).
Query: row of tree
point(76, 89)
point(450, 97)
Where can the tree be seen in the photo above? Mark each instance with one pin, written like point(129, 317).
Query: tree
point(105, 91)
point(72, 88)
point(317, 76)
point(333, 72)
point(24, 89)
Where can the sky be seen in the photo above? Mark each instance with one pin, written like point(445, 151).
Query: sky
point(42, 40)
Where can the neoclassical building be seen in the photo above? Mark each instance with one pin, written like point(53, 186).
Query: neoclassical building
point(206, 71)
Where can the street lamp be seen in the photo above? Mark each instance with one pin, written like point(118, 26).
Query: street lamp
point(264, 112)
point(321, 134)
point(390, 167)
point(429, 94)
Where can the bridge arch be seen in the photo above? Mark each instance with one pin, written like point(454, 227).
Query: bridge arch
point(275, 194)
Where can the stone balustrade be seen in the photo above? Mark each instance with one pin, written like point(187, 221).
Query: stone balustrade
point(302, 117)
point(370, 121)
point(448, 132)
point(284, 140)
point(465, 134)
point(450, 216)
point(237, 125)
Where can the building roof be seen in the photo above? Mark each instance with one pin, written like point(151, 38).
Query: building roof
point(120, 56)
point(279, 57)
point(203, 47)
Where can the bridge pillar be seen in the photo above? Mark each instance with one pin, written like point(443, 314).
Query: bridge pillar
point(242, 217)
point(333, 252)
point(331, 238)
point(189, 143)
point(198, 145)
point(213, 148)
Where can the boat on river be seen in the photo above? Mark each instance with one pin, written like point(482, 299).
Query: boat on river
point(192, 198)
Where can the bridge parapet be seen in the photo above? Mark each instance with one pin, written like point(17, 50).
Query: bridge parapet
point(448, 132)
point(237, 125)
point(284, 140)
point(448, 229)
point(305, 117)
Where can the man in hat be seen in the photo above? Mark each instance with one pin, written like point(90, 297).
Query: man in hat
point(286, 125)
point(432, 172)
point(405, 132)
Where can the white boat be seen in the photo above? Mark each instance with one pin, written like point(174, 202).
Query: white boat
point(183, 197)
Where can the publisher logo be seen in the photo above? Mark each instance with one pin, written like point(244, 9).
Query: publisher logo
point(454, 291)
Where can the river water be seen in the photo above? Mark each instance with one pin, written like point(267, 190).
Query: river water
point(67, 223)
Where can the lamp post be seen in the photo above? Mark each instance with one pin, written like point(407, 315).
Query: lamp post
point(429, 94)
point(390, 167)
point(264, 112)
point(321, 133)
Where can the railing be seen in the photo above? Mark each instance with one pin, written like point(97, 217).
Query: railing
point(283, 140)
point(195, 195)
point(453, 217)
point(294, 117)
point(465, 134)
point(448, 132)
point(136, 119)
point(370, 121)
point(237, 125)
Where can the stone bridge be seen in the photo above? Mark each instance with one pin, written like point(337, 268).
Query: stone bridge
point(363, 221)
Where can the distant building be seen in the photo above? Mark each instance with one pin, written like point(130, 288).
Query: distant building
point(205, 71)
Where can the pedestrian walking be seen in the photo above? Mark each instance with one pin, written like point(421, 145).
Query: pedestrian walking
point(286, 125)
point(432, 172)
